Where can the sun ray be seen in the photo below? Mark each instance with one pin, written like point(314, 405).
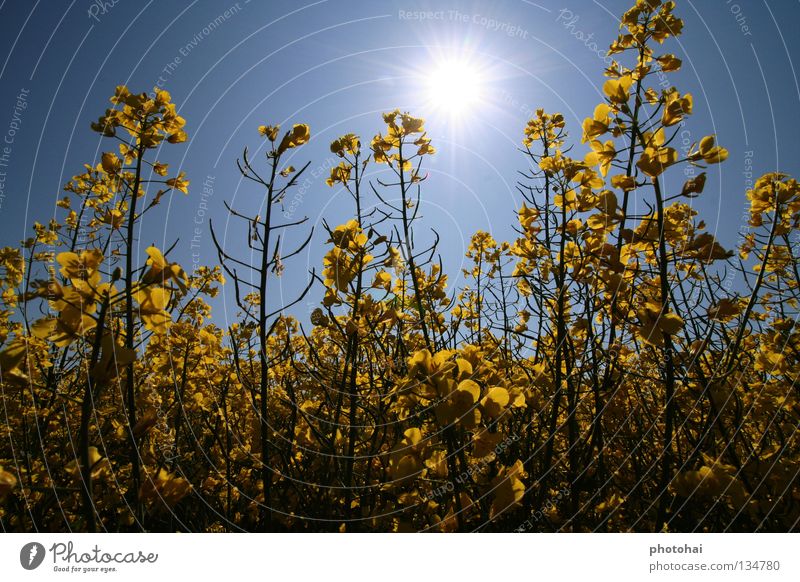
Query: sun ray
point(454, 87)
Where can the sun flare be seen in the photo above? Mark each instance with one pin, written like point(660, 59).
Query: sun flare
point(454, 86)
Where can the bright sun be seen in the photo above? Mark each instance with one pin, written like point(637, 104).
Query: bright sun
point(454, 87)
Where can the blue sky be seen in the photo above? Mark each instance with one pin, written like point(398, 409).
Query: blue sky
point(336, 66)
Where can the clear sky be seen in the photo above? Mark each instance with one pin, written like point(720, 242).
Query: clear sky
point(232, 66)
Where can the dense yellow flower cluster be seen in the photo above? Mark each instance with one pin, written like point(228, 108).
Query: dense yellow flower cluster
point(597, 373)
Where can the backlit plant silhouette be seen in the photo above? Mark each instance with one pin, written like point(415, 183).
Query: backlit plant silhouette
point(596, 373)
